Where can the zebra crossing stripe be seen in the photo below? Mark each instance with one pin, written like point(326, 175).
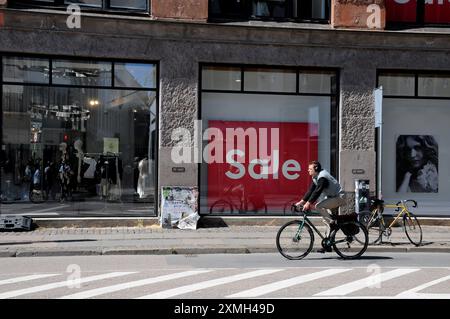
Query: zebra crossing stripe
point(411, 293)
point(24, 278)
point(132, 284)
point(208, 284)
point(366, 282)
point(265, 289)
point(65, 283)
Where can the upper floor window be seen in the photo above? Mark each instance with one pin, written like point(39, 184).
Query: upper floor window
point(100, 5)
point(418, 11)
point(298, 10)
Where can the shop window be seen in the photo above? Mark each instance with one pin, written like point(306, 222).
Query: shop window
point(414, 146)
point(78, 139)
point(275, 131)
point(397, 84)
point(130, 4)
point(434, 85)
point(95, 5)
point(309, 10)
point(270, 80)
point(135, 75)
point(221, 78)
point(317, 82)
point(90, 3)
point(437, 12)
point(228, 8)
point(26, 70)
point(418, 11)
point(81, 73)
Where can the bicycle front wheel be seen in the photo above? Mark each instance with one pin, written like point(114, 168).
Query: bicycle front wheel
point(412, 229)
point(350, 245)
point(294, 241)
point(221, 206)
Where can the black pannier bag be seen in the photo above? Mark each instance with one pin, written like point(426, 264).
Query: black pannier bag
point(345, 223)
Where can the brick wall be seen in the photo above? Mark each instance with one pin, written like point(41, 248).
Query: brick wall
point(358, 14)
point(180, 9)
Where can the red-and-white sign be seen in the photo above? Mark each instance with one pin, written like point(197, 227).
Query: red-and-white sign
point(436, 11)
point(259, 176)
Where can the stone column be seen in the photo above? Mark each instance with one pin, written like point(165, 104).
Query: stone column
point(357, 155)
point(358, 14)
point(180, 9)
point(178, 113)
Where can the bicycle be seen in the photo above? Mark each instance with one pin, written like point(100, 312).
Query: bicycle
point(348, 237)
point(228, 205)
point(376, 225)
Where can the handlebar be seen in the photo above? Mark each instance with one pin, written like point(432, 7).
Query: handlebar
point(298, 209)
point(413, 201)
point(405, 201)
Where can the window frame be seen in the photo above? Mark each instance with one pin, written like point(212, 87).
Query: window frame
point(60, 5)
point(416, 74)
point(246, 14)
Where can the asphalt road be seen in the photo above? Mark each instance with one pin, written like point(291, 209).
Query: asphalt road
point(377, 275)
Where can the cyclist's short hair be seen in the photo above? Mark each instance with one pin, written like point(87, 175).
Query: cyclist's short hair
point(317, 166)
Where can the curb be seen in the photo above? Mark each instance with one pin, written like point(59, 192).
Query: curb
point(204, 222)
point(195, 251)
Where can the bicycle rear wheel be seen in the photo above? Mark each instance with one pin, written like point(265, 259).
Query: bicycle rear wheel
point(350, 246)
point(412, 229)
point(295, 243)
point(374, 227)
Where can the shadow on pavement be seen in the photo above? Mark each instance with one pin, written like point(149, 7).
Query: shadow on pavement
point(211, 223)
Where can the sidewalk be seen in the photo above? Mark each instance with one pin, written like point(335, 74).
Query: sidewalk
point(155, 240)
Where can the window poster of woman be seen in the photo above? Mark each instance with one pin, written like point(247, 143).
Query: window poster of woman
point(417, 164)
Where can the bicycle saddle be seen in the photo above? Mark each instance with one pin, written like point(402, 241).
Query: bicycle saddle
point(376, 201)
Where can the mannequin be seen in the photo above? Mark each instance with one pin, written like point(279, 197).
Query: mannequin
point(63, 149)
point(80, 155)
point(143, 176)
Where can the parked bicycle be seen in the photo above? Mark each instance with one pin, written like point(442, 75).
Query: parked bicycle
point(376, 224)
point(348, 237)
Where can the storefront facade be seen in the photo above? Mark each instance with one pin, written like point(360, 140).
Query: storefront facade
point(310, 84)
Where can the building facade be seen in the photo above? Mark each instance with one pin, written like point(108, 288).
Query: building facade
point(102, 109)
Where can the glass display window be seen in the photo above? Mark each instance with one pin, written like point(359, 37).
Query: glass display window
point(78, 147)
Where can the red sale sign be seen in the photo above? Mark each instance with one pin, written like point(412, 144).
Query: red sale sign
point(264, 166)
point(436, 11)
point(401, 10)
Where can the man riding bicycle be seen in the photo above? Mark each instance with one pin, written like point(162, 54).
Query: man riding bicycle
point(328, 193)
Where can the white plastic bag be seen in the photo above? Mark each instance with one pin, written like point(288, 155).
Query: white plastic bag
point(189, 222)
